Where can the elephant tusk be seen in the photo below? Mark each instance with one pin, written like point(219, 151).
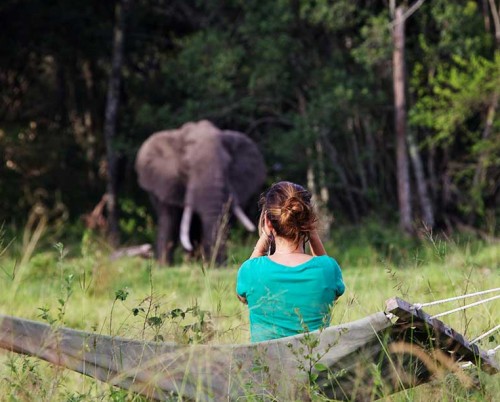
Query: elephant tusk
point(243, 218)
point(185, 226)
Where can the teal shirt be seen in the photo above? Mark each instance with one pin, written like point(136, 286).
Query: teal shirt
point(280, 296)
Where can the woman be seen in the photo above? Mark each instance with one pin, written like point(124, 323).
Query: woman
point(288, 292)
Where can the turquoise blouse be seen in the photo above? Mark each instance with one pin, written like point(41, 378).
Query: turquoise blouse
point(285, 301)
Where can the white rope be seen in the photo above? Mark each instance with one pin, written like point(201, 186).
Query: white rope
point(486, 334)
point(492, 352)
point(418, 306)
point(466, 307)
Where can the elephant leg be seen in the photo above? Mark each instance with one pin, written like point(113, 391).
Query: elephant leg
point(162, 236)
point(174, 231)
point(165, 238)
point(169, 218)
point(165, 242)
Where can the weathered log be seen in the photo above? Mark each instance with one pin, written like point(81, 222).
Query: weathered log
point(144, 251)
point(361, 360)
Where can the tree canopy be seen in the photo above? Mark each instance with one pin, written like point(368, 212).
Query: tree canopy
point(309, 80)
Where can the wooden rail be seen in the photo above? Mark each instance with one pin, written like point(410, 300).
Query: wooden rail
point(416, 325)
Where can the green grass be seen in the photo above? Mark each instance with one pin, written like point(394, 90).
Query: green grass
point(377, 264)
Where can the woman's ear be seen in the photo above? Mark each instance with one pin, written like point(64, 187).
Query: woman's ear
point(261, 222)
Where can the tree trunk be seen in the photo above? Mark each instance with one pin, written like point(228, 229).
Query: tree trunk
point(333, 155)
point(110, 119)
point(319, 198)
point(479, 174)
point(447, 186)
point(357, 157)
point(486, 15)
point(311, 179)
point(431, 169)
point(479, 178)
point(403, 176)
point(480, 171)
point(364, 125)
point(89, 121)
point(62, 91)
point(495, 13)
point(423, 193)
point(326, 217)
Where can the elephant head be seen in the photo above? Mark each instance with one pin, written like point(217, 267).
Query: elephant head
point(197, 169)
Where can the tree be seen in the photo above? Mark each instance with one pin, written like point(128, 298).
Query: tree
point(403, 173)
point(111, 116)
point(400, 123)
point(309, 80)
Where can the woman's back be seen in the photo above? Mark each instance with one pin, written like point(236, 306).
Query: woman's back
point(286, 300)
point(289, 292)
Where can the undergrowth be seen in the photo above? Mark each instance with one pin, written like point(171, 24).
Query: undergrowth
point(76, 286)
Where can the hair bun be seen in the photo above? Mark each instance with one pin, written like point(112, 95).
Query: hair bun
point(295, 212)
point(289, 210)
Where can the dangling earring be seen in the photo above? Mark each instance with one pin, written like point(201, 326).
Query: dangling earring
point(271, 241)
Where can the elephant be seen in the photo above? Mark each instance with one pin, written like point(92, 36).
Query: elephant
point(191, 174)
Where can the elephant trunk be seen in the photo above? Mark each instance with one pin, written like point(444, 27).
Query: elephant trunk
point(210, 216)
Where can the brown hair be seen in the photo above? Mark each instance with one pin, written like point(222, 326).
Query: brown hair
point(288, 207)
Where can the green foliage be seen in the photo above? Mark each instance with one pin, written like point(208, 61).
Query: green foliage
point(190, 325)
point(336, 16)
point(309, 81)
point(135, 221)
point(458, 95)
point(457, 92)
point(375, 48)
point(66, 290)
point(181, 304)
point(121, 294)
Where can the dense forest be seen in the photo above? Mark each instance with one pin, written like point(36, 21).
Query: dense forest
point(382, 108)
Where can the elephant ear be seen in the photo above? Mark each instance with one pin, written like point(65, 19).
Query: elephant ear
point(159, 166)
point(247, 170)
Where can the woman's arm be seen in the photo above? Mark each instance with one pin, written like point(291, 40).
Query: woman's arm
point(261, 247)
point(259, 250)
point(316, 244)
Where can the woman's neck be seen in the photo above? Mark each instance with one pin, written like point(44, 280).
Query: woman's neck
point(286, 246)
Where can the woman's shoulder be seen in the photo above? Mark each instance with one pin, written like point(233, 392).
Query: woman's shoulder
point(252, 262)
point(328, 261)
point(251, 267)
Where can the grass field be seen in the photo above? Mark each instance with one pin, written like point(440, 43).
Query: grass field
point(76, 286)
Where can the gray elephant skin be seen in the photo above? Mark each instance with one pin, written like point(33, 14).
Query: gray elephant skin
point(190, 174)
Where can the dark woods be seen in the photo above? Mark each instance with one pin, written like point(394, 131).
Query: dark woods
point(375, 116)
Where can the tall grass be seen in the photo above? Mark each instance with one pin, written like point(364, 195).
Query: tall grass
point(75, 285)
